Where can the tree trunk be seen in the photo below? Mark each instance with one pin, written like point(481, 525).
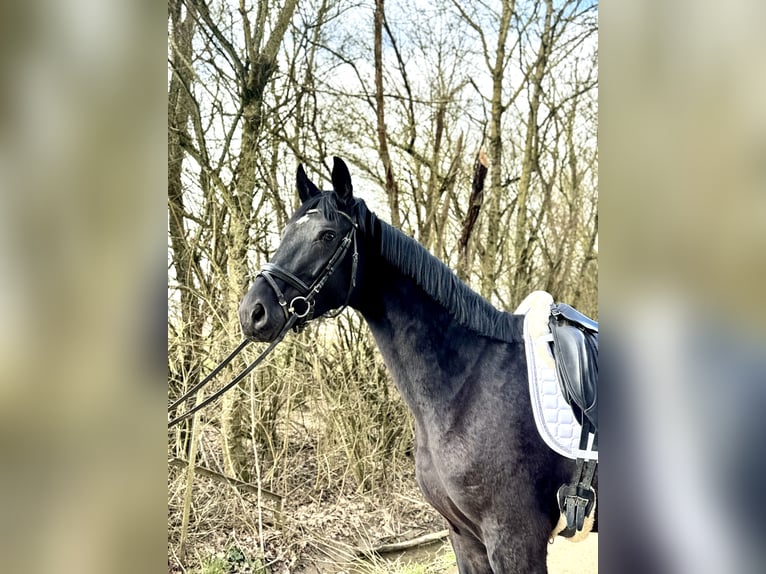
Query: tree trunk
point(529, 161)
point(179, 111)
point(495, 145)
point(480, 168)
point(257, 70)
point(392, 188)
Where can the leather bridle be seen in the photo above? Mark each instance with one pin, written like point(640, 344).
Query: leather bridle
point(295, 318)
point(302, 306)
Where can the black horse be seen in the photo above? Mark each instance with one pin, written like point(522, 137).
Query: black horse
point(458, 362)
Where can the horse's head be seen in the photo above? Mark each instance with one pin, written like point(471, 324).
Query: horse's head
point(313, 270)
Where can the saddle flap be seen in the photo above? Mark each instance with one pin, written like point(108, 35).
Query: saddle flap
point(575, 348)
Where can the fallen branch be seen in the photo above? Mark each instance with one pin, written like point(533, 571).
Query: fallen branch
point(202, 471)
point(407, 544)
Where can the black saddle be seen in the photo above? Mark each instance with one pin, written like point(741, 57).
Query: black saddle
point(575, 350)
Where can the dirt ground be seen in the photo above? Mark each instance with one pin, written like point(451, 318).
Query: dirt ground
point(321, 531)
point(566, 557)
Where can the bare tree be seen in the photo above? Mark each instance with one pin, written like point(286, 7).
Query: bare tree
point(243, 72)
point(407, 94)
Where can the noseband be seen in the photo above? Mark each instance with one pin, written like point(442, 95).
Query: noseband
point(302, 306)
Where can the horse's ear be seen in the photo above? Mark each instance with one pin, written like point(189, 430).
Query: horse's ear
point(306, 189)
point(341, 180)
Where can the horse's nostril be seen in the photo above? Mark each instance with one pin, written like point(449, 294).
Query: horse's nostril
point(259, 313)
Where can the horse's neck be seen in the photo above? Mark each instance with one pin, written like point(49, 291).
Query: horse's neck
point(425, 350)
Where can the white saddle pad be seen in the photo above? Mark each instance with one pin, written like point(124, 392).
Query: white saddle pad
point(553, 416)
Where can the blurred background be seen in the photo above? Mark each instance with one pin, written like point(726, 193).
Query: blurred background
point(82, 350)
point(682, 146)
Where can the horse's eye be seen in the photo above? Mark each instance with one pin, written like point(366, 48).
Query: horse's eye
point(327, 236)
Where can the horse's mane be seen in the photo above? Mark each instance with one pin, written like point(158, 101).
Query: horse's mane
point(466, 306)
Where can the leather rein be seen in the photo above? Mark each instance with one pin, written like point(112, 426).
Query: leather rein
point(298, 312)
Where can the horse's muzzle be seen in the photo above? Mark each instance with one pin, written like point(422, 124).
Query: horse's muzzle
point(260, 321)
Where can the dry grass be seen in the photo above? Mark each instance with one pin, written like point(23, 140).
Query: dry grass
point(316, 529)
point(328, 432)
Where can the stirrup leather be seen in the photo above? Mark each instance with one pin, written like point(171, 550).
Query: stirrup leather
point(577, 498)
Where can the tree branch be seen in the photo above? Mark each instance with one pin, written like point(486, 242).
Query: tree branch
point(406, 544)
point(202, 9)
